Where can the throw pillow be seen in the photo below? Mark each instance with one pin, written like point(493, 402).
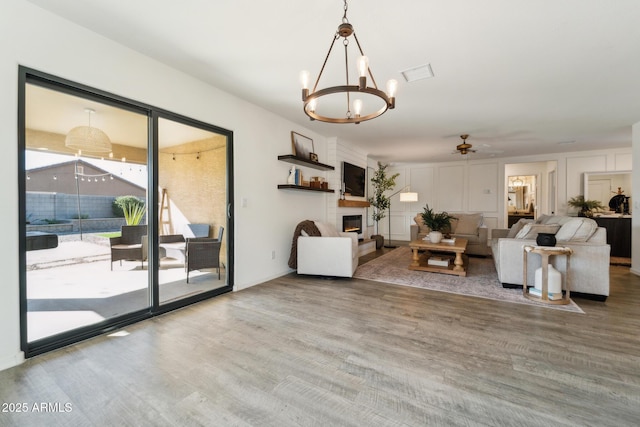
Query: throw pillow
point(327, 230)
point(515, 228)
point(531, 230)
point(466, 223)
point(577, 230)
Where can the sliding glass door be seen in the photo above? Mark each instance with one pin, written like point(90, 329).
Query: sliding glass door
point(98, 250)
point(192, 217)
point(84, 170)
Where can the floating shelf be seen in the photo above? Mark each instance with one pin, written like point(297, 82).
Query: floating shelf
point(353, 203)
point(303, 188)
point(290, 158)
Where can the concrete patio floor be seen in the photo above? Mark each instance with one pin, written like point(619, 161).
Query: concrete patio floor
point(72, 285)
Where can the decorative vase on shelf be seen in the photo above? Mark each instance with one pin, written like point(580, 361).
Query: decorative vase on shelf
point(435, 236)
point(546, 239)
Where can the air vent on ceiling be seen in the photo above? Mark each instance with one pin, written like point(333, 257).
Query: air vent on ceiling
point(418, 73)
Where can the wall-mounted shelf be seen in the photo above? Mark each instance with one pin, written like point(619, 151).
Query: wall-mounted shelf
point(303, 188)
point(353, 203)
point(290, 158)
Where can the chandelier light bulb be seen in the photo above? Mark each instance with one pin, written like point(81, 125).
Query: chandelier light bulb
point(304, 79)
point(312, 105)
point(357, 107)
point(363, 66)
point(392, 88)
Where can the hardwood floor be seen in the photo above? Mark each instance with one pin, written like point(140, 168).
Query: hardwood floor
point(301, 351)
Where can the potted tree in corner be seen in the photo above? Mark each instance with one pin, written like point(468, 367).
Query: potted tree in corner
point(381, 183)
point(437, 222)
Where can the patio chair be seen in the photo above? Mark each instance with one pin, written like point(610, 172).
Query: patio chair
point(195, 230)
point(202, 252)
point(128, 246)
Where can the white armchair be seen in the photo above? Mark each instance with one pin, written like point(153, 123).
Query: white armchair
point(328, 256)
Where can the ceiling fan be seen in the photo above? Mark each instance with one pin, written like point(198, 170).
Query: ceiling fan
point(464, 148)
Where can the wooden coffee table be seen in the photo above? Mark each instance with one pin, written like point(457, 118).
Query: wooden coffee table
point(457, 248)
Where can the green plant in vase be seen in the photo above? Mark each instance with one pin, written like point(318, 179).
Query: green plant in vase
point(438, 222)
point(586, 206)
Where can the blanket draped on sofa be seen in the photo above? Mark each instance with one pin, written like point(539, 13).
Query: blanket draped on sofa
point(308, 227)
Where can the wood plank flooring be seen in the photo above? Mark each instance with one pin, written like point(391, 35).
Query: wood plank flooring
point(300, 351)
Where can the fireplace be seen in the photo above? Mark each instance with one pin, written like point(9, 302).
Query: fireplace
point(353, 223)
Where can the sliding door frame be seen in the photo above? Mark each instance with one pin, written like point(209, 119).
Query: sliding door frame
point(30, 76)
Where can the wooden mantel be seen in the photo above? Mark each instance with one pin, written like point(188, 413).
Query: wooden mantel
point(353, 203)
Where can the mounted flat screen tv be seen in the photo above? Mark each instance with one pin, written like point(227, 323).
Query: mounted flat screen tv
point(353, 178)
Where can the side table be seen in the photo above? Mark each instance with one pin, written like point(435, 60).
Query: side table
point(545, 252)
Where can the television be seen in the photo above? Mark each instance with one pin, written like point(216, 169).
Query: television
point(353, 179)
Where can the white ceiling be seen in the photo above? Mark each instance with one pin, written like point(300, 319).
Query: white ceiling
point(520, 76)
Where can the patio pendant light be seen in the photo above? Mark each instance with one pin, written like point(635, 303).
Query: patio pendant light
point(87, 138)
point(318, 104)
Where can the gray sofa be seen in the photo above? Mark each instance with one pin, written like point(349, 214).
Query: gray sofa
point(467, 226)
point(589, 272)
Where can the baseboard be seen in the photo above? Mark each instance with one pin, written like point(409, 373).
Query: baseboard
point(12, 361)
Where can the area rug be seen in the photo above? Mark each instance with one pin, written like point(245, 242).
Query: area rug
point(481, 281)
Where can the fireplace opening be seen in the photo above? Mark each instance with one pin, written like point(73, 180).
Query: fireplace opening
point(353, 223)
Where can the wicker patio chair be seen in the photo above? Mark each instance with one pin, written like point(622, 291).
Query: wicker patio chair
point(129, 245)
point(202, 252)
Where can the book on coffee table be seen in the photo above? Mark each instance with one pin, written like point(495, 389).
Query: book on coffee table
point(438, 261)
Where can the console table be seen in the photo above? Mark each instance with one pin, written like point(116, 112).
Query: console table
point(618, 235)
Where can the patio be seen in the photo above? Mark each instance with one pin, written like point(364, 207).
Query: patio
point(72, 286)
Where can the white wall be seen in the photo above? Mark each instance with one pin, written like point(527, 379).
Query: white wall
point(341, 151)
point(34, 38)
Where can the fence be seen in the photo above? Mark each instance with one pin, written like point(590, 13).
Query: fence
point(59, 206)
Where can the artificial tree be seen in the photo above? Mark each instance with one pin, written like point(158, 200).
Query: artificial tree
point(381, 183)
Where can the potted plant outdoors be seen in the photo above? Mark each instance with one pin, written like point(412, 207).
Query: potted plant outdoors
point(131, 208)
point(586, 206)
point(381, 183)
point(438, 223)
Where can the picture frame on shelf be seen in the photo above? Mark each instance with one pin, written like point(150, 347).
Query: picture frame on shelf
point(302, 146)
point(313, 157)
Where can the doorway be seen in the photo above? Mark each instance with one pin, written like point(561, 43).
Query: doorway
point(521, 198)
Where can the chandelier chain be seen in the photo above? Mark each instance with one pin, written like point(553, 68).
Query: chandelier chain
point(345, 20)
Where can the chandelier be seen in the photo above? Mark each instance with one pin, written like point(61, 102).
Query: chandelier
point(354, 111)
point(88, 138)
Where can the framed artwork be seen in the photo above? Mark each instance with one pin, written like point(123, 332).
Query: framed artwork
point(302, 146)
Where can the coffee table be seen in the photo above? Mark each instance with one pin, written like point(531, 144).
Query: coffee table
point(420, 262)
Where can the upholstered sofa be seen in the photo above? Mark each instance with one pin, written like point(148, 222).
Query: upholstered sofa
point(589, 263)
point(467, 226)
point(319, 249)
